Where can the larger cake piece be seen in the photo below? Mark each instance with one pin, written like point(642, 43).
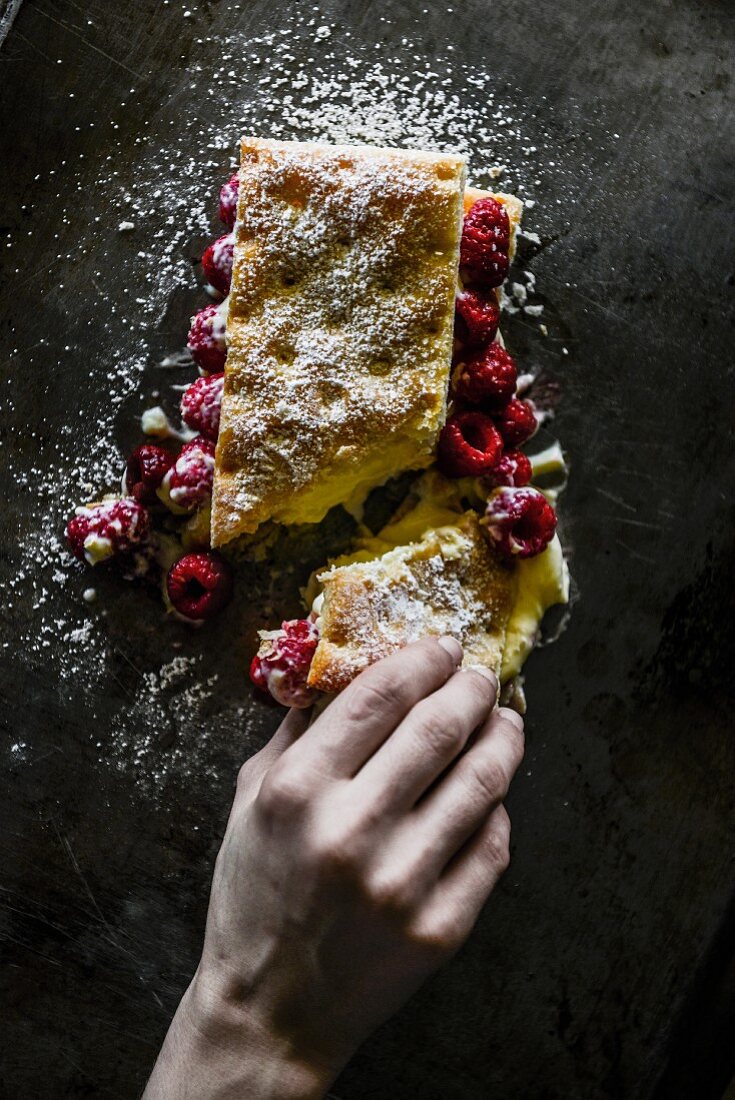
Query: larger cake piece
point(339, 327)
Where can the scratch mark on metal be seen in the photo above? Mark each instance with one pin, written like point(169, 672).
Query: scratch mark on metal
point(111, 937)
point(33, 46)
point(635, 554)
point(637, 523)
point(615, 500)
point(90, 45)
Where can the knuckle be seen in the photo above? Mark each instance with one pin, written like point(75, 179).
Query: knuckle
point(439, 733)
point(368, 694)
point(497, 851)
point(441, 936)
point(488, 777)
point(389, 893)
point(282, 793)
point(336, 853)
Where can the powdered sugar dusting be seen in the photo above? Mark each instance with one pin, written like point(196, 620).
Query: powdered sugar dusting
point(306, 78)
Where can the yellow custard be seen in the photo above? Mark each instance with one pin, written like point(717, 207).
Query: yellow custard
point(540, 582)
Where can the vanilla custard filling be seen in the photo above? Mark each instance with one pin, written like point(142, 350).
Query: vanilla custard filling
point(539, 582)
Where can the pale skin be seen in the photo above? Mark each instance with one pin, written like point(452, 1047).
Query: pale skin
point(359, 852)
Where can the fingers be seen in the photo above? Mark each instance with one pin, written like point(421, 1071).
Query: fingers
point(427, 741)
point(366, 713)
point(460, 804)
point(453, 906)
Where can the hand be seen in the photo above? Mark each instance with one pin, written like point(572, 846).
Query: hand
point(357, 857)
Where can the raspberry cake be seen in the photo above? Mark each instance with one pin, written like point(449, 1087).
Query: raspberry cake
point(356, 338)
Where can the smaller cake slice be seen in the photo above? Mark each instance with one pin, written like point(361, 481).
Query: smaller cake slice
point(449, 582)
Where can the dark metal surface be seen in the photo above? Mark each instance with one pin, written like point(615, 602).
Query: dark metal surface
point(612, 924)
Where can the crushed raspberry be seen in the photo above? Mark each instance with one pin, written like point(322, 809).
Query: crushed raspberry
point(476, 318)
point(483, 251)
point(517, 422)
point(113, 527)
point(217, 263)
point(207, 339)
point(146, 469)
point(188, 483)
point(520, 522)
point(488, 378)
point(201, 404)
point(228, 201)
point(281, 665)
point(513, 470)
point(199, 585)
point(469, 444)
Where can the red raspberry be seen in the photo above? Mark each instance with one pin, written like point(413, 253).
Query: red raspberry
point(199, 585)
point(101, 531)
point(483, 251)
point(201, 404)
point(146, 469)
point(469, 444)
point(207, 339)
point(514, 470)
point(281, 665)
point(520, 522)
point(188, 483)
point(476, 318)
point(517, 422)
point(217, 263)
point(228, 201)
point(488, 378)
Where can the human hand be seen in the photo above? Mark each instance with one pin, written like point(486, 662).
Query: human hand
point(357, 857)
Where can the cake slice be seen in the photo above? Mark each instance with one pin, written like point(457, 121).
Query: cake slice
point(448, 582)
point(432, 570)
point(339, 327)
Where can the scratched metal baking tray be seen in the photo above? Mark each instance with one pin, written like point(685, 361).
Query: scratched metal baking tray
point(597, 969)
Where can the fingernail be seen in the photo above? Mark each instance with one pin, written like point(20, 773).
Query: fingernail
point(486, 672)
point(512, 716)
point(452, 646)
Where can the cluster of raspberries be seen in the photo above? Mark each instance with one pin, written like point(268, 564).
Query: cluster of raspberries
point(159, 483)
point(488, 421)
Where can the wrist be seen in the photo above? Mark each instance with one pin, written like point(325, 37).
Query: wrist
point(217, 1048)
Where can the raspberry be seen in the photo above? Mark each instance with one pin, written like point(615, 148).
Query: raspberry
point(469, 444)
point(476, 318)
point(488, 378)
point(101, 531)
point(520, 522)
point(199, 585)
point(201, 404)
point(514, 470)
point(207, 339)
point(228, 201)
point(146, 469)
point(282, 663)
point(483, 251)
point(517, 422)
point(217, 263)
point(188, 483)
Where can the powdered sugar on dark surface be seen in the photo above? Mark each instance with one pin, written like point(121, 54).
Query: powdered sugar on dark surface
point(170, 703)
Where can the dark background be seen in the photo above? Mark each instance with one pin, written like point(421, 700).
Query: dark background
point(603, 966)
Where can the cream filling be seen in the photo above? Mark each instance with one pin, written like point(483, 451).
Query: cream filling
point(540, 582)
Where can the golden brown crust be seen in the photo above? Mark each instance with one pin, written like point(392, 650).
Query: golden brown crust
point(339, 328)
point(448, 583)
